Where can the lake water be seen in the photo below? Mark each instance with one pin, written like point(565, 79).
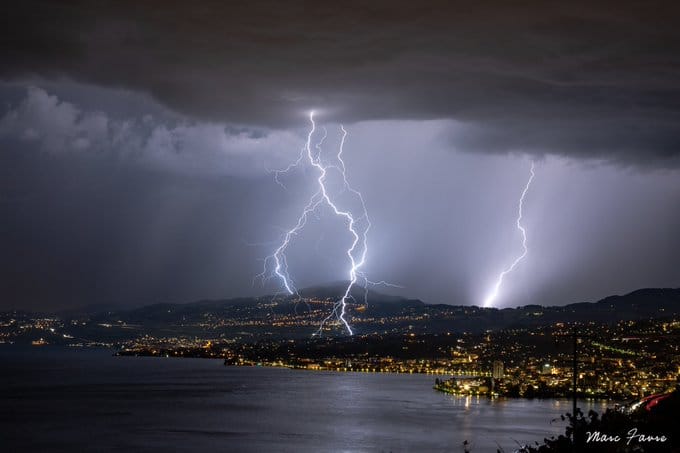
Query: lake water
point(88, 400)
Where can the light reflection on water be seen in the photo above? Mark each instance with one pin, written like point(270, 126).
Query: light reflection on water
point(74, 400)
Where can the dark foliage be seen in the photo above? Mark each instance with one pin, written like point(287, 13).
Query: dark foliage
point(616, 432)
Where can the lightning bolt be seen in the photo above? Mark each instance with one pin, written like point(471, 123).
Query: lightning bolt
point(358, 226)
point(494, 294)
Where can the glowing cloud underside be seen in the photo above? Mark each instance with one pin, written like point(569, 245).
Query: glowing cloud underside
point(357, 223)
point(494, 294)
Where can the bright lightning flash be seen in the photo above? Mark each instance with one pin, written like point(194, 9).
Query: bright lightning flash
point(494, 294)
point(357, 225)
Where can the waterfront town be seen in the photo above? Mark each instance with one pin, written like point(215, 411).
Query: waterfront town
point(627, 360)
point(523, 352)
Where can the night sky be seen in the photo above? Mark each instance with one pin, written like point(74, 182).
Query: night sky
point(137, 141)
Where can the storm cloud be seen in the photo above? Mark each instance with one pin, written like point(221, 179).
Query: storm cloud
point(137, 141)
point(43, 121)
point(583, 79)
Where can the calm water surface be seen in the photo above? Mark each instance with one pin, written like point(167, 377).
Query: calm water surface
point(88, 400)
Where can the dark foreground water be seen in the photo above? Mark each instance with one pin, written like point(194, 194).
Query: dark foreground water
point(88, 400)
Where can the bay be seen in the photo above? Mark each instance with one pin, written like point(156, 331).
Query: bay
point(56, 399)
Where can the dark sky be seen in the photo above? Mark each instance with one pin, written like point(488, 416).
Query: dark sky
point(136, 139)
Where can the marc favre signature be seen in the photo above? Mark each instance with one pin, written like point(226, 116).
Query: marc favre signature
point(631, 436)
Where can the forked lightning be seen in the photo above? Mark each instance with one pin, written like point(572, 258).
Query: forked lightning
point(357, 225)
point(494, 294)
